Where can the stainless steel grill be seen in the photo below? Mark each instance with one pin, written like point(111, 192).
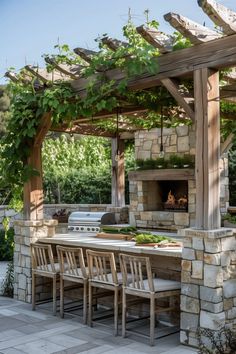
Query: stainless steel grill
point(80, 221)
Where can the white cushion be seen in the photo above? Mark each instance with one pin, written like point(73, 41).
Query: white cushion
point(49, 268)
point(159, 285)
point(110, 279)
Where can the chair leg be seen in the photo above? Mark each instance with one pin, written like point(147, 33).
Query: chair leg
point(152, 319)
point(54, 295)
point(61, 297)
point(124, 314)
point(116, 307)
point(33, 291)
point(90, 307)
point(85, 303)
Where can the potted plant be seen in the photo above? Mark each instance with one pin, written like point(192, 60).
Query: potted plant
point(188, 161)
point(175, 161)
point(61, 215)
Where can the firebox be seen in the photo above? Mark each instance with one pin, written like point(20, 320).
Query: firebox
point(165, 196)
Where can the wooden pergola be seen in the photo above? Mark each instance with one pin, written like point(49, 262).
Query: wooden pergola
point(210, 52)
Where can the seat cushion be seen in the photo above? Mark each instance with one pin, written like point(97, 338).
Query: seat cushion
point(159, 285)
point(110, 280)
point(164, 284)
point(57, 268)
point(79, 272)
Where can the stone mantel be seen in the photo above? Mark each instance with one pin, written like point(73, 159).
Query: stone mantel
point(171, 174)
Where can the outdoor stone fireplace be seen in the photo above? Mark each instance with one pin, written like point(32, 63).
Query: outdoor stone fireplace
point(166, 198)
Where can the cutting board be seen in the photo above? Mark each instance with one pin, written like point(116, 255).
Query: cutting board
point(111, 236)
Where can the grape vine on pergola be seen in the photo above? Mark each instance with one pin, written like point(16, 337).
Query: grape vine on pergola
point(210, 52)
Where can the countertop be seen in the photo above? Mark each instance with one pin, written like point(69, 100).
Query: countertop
point(88, 240)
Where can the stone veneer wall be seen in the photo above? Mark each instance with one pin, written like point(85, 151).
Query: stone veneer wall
point(208, 290)
point(180, 140)
point(27, 232)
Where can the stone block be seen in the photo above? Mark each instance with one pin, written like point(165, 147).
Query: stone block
point(181, 219)
point(146, 215)
point(191, 290)
point(173, 140)
point(189, 321)
point(197, 269)
point(187, 242)
point(225, 258)
point(212, 307)
point(183, 337)
point(211, 295)
point(198, 243)
point(182, 130)
point(186, 265)
point(228, 244)
point(185, 277)
point(199, 255)
point(25, 250)
point(147, 145)
point(183, 144)
point(22, 281)
point(228, 304)
point(188, 253)
point(212, 246)
point(212, 258)
point(231, 314)
point(213, 276)
point(189, 304)
point(229, 288)
point(213, 321)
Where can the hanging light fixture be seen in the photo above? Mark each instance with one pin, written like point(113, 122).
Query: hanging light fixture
point(161, 153)
point(117, 157)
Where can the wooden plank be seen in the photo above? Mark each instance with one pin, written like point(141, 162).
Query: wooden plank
point(227, 144)
point(73, 71)
point(118, 173)
point(113, 43)
point(156, 38)
point(215, 54)
point(220, 15)
point(46, 77)
point(33, 189)
point(84, 129)
point(43, 128)
point(206, 86)
point(162, 174)
point(173, 88)
point(85, 54)
point(190, 29)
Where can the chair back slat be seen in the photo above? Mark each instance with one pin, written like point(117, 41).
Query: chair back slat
point(139, 269)
point(71, 261)
point(42, 258)
point(102, 266)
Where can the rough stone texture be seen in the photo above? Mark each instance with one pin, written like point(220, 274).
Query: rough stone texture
point(212, 321)
point(208, 277)
point(27, 232)
point(180, 140)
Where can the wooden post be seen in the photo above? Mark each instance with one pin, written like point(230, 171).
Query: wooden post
point(33, 189)
point(207, 115)
point(118, 173)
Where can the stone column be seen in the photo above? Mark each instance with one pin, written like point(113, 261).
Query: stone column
point(208, 291)
point(27, 232)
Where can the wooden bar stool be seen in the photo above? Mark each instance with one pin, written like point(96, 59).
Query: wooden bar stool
point(72, 268)
point(103, 274)
point(144, 285)
point(43, 265)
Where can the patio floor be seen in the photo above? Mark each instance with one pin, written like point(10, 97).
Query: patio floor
point(39, 332)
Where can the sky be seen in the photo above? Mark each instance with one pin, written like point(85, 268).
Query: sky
point(31, 28)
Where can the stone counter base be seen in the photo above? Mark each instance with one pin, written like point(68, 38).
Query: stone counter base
point(208, 292)
point(27, 232)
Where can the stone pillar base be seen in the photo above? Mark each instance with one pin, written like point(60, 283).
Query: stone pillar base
point(27, 232)
point(208, 291)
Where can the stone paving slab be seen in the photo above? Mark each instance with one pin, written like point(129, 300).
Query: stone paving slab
point(39, 332)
